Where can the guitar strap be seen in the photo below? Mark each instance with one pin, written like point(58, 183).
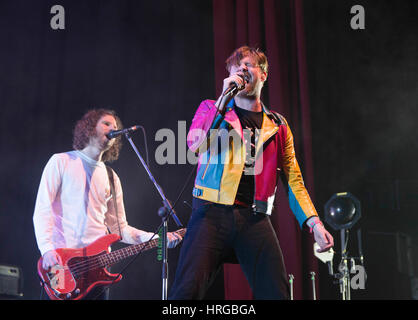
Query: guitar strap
point(112, 190)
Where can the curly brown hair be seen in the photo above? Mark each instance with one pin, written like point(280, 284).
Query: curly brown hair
point(85, 128)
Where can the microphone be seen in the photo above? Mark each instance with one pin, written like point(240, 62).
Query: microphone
point(234, 87)
point(116, 133)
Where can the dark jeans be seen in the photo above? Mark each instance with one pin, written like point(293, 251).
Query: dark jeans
point(217, 232)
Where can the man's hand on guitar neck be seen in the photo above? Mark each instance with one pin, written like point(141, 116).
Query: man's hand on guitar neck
point(173, 239)
point(50, 258)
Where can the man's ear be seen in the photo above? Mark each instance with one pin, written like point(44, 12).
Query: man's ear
point(264, 76)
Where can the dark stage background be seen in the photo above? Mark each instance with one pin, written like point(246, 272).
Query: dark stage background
point(153, 62)
point(363, 86)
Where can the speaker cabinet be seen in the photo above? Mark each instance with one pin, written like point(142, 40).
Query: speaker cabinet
point(11, 281)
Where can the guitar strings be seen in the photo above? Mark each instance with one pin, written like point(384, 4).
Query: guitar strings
point(92, 263)
point(96, 262)
point(99, 261)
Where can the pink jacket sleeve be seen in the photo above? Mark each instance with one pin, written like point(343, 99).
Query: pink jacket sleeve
point(201, 124)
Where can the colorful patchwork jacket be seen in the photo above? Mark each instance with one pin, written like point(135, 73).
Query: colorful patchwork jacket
point(221, 161)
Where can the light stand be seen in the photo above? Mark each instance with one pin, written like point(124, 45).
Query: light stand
point(344, 275)
point(164, 212)
point(342, 211)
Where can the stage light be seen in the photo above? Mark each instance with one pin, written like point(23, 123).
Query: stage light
point(342, 211)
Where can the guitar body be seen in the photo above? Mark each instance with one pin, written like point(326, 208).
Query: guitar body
point(80, 271)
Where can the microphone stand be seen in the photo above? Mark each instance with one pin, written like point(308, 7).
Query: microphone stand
point(164, 212)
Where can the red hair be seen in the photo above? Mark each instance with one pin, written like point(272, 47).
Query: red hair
point(245, 51)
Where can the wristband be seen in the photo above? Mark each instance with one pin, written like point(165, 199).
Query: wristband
point(312, 224)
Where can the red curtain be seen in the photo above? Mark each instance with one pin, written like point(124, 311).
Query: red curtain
point(277, 28)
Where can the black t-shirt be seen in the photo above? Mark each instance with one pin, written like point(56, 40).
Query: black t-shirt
point(250, 122)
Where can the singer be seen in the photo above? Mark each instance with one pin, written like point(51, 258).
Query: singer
point(231, 204)
point(75, 205)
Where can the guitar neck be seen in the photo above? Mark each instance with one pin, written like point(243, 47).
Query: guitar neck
point(116, 256)
point(121, 254)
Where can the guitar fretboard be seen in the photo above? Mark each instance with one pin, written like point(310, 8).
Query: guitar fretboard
point(114, 257)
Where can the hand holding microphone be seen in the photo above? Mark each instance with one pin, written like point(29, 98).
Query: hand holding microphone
point(232, 85)
point(235, 83)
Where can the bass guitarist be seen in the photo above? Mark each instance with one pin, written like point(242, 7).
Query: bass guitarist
point(75, 204)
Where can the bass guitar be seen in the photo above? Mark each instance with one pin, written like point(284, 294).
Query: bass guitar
point(85, 268)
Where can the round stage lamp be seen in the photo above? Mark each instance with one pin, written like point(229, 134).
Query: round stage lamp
point(342, 211)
